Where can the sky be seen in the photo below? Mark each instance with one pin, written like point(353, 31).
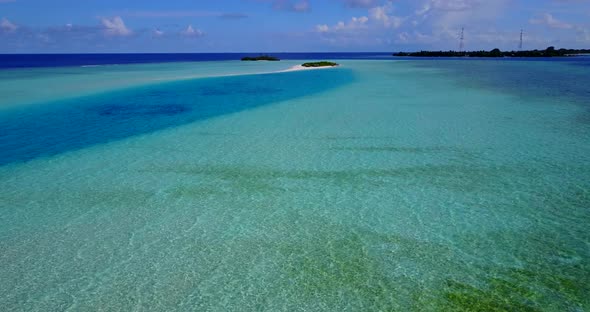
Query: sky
point(126, 26)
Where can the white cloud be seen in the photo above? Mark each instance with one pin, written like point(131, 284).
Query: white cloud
point(433, 23)
point(354, 24)
point(157, 33)
point(322, 28)
point(115, 27)
point(550, 21)
point(7, 26)
point(192, 32)
point(379, 16)
point(382, 15)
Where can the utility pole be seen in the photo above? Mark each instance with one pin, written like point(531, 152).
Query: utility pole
point(520, 44)
point(461, 39)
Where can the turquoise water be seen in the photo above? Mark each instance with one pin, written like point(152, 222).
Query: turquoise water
point(56, 127)
point(391, 186)
point(61, 82)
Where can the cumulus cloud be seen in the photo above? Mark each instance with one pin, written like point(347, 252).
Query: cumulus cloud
point(7, 26)
point(115, 27)
point(382, 15)
point(550, 21)
point(157, 33)
point(322, 28)
point(353, 24)
point(379, 17)
point(433, 23)
point(192, 32)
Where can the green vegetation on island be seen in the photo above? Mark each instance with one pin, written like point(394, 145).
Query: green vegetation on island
point(549, 52)
point(260, 58)
point(319, 64)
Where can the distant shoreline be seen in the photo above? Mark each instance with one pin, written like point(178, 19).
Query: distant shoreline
point(549, 52)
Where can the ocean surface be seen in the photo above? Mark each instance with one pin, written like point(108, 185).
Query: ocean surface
point(189, 183)
point(55, 60)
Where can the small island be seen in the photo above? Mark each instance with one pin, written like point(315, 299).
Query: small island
point(549, 52)
point(260, 58)
point(320, 64)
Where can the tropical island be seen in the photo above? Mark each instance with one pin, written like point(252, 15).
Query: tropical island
point(549, 52)
point(260, 58)
point(319, 64)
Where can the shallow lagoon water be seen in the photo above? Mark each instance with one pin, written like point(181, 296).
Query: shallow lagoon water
point(393, 186)
point(57, 83)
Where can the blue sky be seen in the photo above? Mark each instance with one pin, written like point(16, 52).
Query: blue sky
point(36, 26)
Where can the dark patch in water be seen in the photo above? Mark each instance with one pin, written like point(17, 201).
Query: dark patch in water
point(233, 89)
point(147, 110)
point(52, 128)
point(556, 81)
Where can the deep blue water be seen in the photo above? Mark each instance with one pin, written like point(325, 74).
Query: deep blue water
point(63, 60)
point(59, 60)
point(28, 133)
point(46, 130)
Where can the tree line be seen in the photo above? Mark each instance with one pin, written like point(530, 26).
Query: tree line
point(549, 52)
